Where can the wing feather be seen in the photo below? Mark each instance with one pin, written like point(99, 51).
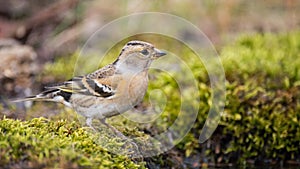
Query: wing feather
point(93, 84)
point(98, 83)
point(85, 86)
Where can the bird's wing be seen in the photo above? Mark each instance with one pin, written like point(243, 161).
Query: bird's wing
point(98, 83)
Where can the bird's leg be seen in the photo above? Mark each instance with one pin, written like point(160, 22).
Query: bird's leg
point(89, 122)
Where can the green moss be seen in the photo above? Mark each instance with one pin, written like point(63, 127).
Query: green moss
point(261, 117)
point(273, 59)
point(262, 114)
point(41, 142)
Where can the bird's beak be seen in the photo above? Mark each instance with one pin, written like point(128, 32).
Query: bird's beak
point(158, 53)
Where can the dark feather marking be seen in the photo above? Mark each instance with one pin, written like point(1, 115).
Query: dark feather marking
point(30, 97)
point(116, 61)
point(135, 43)
point(65, 95)
point(98, 89)
point(57, 92)
point(122, 51)
point(46, 92)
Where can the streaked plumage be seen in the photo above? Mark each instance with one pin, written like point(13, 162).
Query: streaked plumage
point(110, 90)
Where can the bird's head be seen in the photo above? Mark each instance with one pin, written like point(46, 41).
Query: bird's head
point(137, 56)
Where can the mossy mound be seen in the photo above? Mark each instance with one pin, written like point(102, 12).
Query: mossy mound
point(40, 143)
point(261, 120)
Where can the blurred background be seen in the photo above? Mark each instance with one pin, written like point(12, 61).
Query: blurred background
point(49, 29)
point(39, 38)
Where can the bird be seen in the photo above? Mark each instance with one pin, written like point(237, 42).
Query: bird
point(110, 90)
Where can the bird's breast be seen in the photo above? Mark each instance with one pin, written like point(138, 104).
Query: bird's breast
point(133, 88)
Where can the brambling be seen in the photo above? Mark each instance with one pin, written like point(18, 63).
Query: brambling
point(109, 91)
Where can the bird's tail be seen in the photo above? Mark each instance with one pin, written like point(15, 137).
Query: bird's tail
point(47, 95)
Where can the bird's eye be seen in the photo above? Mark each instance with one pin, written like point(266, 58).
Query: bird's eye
point(145, 52)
